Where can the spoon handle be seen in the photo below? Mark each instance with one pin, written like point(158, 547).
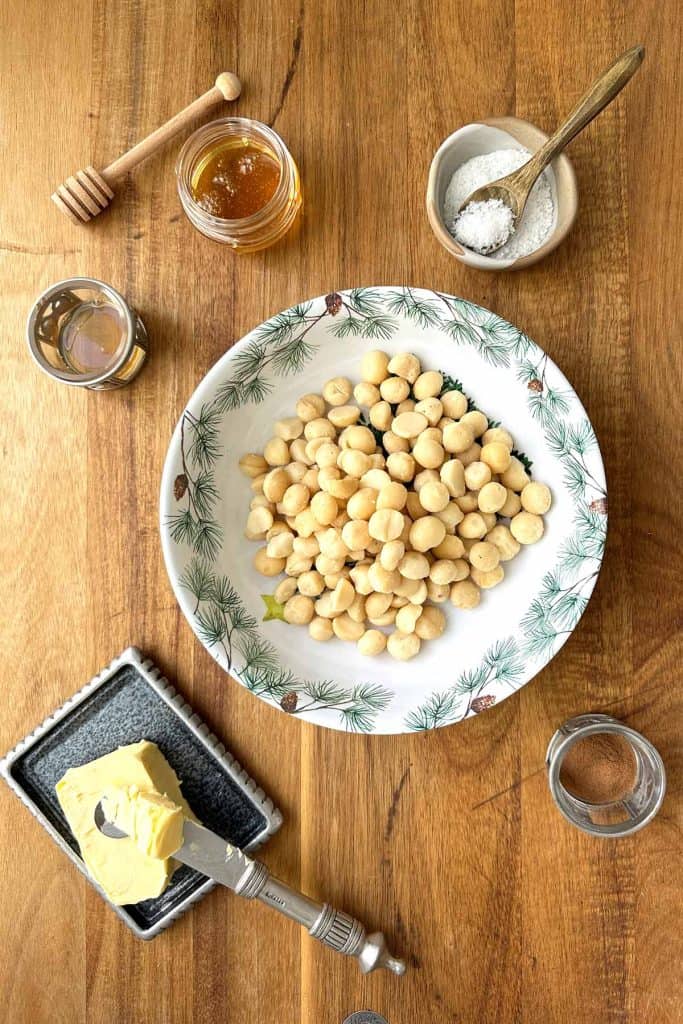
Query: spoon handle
point(602, 91)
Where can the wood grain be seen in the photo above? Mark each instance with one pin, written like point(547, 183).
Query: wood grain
point(447, 841)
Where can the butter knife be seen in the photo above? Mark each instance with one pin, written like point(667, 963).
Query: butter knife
point(207, 853)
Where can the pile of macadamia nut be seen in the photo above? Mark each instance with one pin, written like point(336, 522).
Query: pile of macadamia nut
point(372, 536)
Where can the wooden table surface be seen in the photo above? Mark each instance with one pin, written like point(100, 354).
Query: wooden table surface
point(449, 841)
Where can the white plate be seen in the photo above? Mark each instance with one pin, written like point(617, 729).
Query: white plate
point(485, 654)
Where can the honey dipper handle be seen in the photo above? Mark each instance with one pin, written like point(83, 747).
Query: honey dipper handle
point(227, 87)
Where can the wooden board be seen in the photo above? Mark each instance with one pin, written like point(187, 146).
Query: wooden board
point(448, 841)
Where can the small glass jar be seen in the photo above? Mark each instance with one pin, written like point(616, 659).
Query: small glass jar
point(267, 225)
point(83, 332)
point(630, 812)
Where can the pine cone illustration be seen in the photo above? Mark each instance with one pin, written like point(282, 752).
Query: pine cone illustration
point(333, 301)
point(599, 505)
point(482, 703)
point(290, 701)
point(180, 486)
point(535, 385)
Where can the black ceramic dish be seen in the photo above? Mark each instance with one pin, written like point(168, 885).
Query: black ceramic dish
point(130, 701)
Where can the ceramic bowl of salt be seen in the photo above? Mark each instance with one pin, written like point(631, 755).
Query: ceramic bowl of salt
point(481, 152)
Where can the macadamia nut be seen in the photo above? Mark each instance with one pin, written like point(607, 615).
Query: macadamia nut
point(427, 533)
point(536, 498)
point(372, 642)
point(366, 394)
point(409, 424)
point(320, 629)
point(431, 624)
point(484, 556)
point(310, 407)
point(394, 390)
point(526, 527)
point(515, 476)
point(454, 404)
point(428, 385)
point(406, 365)
point(374, 367)
point(337, 391)
point(403, 646)
point(492, 496)
point(386, 524)
point(465, 594)
point(434, 496)
point(507, 546)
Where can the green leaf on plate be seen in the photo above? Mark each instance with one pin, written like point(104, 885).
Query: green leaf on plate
point(274, 610)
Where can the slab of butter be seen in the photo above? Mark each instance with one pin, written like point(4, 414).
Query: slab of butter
point(125, 871)
point(153, 821)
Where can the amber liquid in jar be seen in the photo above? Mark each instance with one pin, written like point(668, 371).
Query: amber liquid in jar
point(91, 336)
point(235, 179)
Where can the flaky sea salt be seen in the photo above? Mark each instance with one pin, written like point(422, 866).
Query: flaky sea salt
point(538, 218)
point(484, 226)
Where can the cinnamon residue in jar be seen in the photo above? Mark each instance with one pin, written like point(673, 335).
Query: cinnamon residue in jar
point(235, 179)
point(599, 769)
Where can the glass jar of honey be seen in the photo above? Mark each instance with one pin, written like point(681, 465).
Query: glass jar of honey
point(238, 183)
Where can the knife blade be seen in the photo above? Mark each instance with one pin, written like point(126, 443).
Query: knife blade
point(207, 853)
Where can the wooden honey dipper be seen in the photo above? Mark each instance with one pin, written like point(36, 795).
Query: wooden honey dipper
point(88, 192)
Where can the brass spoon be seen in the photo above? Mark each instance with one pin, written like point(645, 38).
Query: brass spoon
point(514, 188)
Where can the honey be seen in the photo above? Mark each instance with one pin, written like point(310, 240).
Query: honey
point(238, 184)
point(235, 179)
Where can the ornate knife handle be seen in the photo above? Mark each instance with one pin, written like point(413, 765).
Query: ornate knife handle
point(332, 927)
